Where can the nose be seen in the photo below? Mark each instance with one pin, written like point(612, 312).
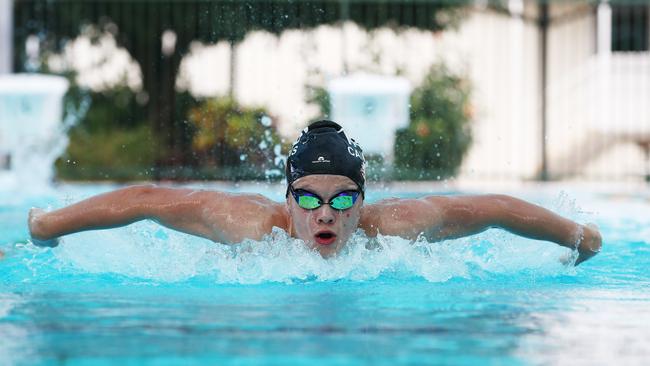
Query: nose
point(325, 215)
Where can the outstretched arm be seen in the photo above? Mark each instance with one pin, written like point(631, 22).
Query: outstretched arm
point(440, 217)
point(213, 215)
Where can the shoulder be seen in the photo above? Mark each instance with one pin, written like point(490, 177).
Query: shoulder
point(240, 201)
point(402, 217)
point(244, 216)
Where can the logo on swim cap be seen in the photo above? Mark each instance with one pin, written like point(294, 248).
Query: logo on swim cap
point(320, 160)
point(323, 148)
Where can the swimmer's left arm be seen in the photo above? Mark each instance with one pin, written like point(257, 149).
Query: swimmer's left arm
point(466, 215)
point(443, 217)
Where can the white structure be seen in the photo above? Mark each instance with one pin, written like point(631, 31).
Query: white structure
point(371, 108)
point(31, 134)
point(598, 114)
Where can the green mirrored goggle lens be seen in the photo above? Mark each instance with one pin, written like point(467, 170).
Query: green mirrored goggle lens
point(338, 202)
point(308, 202)
point(342, 202)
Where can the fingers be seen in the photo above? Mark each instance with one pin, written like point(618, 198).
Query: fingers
point(583, 256)
point(34, 214)
point(591, 243)
point(592, 239)
point(50, 243)
point(34, 224)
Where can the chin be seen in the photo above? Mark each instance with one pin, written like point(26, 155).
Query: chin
point(328, 251)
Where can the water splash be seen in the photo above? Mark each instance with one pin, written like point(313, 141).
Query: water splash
point(266, 121)
point(147, 251)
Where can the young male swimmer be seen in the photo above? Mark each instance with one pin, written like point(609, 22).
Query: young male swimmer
point(324, 206)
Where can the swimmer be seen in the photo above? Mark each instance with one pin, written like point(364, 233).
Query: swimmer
point(324, 206)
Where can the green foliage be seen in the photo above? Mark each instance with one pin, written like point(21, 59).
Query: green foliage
point(110, 137)
point(114, 140)
point(319, 96)
point(242, 141)
point(109, 109)
point(115, 154)
point(439, 135)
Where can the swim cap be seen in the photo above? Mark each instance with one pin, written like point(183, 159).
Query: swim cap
point(323, 148)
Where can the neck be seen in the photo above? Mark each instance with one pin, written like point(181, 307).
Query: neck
point(289, 226)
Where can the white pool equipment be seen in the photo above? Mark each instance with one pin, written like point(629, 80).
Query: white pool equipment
point(371, 108)
point(32, 136)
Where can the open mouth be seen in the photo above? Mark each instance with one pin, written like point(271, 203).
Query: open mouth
point(325, 237)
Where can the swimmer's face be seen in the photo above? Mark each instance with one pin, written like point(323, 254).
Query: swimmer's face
point(324, 228)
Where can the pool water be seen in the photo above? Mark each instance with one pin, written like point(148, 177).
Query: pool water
point(145, 295)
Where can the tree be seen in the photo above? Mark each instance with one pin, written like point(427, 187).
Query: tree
point(141, 26)
point(438, 135)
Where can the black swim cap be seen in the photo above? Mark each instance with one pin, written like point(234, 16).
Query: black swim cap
point(323, 148)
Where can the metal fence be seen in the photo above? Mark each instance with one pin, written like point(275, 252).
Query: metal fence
point(560, 90)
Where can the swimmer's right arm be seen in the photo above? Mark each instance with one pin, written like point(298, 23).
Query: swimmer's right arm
point(208, 214)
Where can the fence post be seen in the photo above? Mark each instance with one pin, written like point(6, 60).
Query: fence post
point(232, 81)
point(6, 36)
point(604, 56)
point(345, 16)
point(543, 29)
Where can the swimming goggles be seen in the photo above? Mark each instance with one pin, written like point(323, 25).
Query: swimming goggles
point(311, 201)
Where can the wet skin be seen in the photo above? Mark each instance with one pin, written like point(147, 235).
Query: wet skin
point(310, 225)
point(230, 218)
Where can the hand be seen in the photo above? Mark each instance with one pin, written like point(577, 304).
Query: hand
point(590, 243)
point(35, 223)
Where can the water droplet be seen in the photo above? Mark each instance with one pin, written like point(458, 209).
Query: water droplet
point(266, 121)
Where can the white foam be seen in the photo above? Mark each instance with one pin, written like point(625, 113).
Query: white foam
point(145, 250)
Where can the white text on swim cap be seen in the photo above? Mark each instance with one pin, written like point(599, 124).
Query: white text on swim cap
point(320, 160)
point(354, 152)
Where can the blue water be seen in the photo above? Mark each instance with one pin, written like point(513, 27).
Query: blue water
point(144, 295)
